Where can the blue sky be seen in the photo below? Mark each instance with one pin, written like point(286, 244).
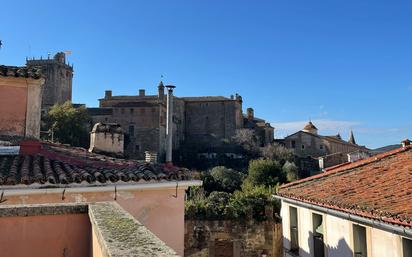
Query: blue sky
point(345, 64)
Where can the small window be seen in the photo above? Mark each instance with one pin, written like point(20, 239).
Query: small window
point(137, 148)
point(293, 144)
point(131, 110)
point(105, 119)
point(153, 110)
point(131, 130)
point(293, 218)
point(318, 243)
point(359, 241)
point(321, 147)
point(122, 110)
point(303, 147)
point(407, 247)
point(142, 111)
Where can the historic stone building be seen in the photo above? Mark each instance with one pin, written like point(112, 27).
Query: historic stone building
point(207, 121)
point(58, 74)
point(311, 147)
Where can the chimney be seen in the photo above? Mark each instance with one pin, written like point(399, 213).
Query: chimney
point(169, 124)
point(107, 138)
point(150, 157)
point(108, 94)
point(250, 114)
point(142, 92)
point(406, 143)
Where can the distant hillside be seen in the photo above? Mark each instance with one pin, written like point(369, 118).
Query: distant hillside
point(385, 148)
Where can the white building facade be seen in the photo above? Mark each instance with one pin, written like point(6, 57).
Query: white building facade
point(361, 209)
point(312, 233)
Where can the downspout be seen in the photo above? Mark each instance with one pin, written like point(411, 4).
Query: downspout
point(403, 231)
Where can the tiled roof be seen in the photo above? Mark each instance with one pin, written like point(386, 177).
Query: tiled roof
point(309, 126)
point(23, 72)
point(379, 187)
point(57, 165)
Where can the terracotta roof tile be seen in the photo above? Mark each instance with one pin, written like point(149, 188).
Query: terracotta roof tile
point(24, 72)
point(379, 187)
point(57, 165)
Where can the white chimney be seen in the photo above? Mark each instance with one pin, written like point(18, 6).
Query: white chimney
point(169, 124)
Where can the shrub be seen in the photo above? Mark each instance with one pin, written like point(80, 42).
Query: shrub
point(265, 172)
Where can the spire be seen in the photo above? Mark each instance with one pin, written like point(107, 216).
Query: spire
point(161, 84)
point(351, 138)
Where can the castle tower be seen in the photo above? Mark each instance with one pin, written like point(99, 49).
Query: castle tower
point(57, 88)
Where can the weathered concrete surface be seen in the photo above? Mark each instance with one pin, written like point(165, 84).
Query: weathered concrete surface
point(232, 238)
point(119, 234)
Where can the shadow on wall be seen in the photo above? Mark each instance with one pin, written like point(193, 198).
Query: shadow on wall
point(315, 243)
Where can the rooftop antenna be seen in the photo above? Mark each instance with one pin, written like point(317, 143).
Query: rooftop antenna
point(1, 43)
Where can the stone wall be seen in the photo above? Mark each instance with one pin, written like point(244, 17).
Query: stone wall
point(57, 88)
point(232, 239)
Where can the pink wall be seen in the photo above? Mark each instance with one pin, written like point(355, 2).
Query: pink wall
point(12, 110)
point(45, 236)
point(158, 210)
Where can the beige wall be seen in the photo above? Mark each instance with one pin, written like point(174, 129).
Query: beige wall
point(45, 236)
point(106, 142)
point(337, 236)
point(20, 106)
point(158, 210)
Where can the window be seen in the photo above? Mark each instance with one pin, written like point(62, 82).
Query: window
point(318, 245)
point(131, 130)
point(303, 147)
point(293, 144)
point(293, 218)
point(137, 148)
point(122, 110)
point(321, 147)
point(142, 111)
point(131, 110)
point(407, 247)
point(105, 119)
point(153, 110)
point(359, 241)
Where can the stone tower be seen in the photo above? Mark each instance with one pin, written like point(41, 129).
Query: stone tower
point(57, 88)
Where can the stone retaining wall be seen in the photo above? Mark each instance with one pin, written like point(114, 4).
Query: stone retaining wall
point(232, 238)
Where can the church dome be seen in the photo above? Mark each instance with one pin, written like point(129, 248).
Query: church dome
point(310, 128)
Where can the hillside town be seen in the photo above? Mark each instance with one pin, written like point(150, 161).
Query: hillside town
point(101, 157)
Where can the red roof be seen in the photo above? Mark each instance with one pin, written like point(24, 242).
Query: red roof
point(52, 164)
point(379, 187)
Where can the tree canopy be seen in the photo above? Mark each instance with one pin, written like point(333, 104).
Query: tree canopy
point(68, 124)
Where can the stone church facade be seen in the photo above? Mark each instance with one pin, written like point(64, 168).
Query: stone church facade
point(207, 121)
point(317, 151)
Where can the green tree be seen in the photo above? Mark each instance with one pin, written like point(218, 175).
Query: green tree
point(227, 180)
point(252, 201)
point(68, 124)
point(265, 172)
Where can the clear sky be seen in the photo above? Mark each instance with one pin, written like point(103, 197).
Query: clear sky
point(343, 63)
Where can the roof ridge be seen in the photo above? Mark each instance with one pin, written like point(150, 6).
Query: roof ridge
point(356, 164)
